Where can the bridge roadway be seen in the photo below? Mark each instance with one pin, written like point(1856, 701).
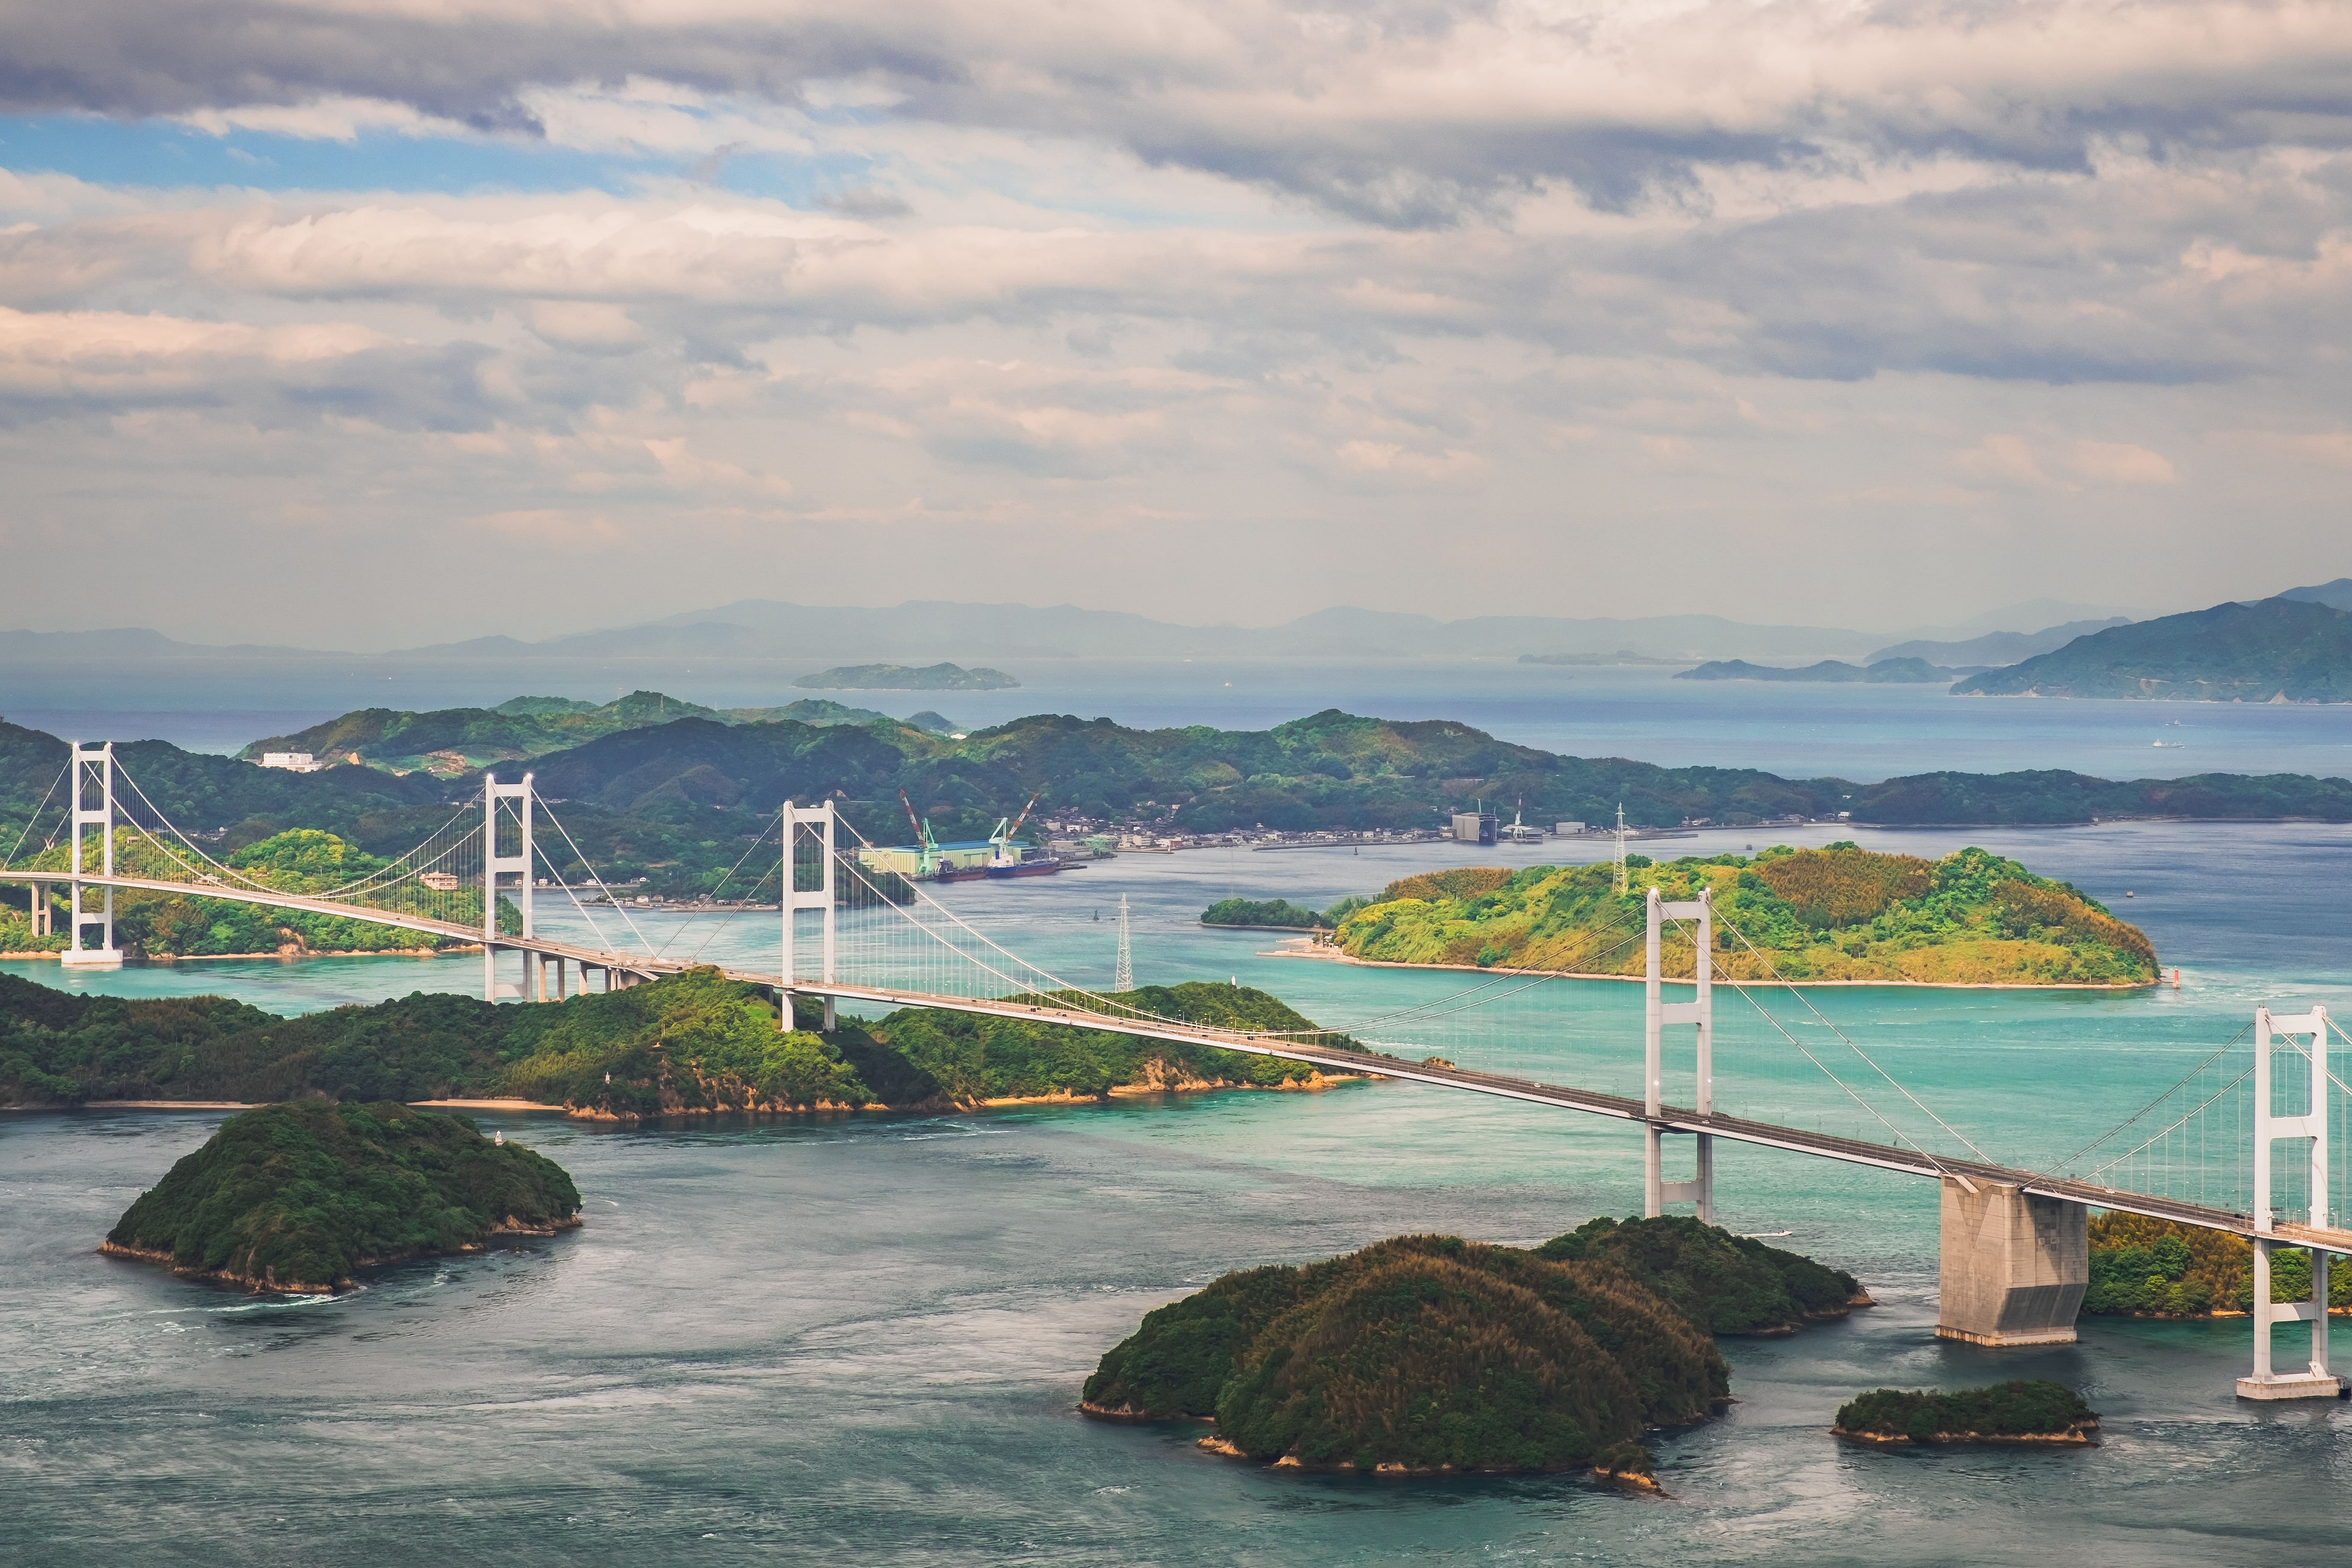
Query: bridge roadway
point(1672, 1119)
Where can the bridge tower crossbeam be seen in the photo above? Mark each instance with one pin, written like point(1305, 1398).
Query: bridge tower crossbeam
point(2309, 1127)
point(1657, 1013)
point(92, 769)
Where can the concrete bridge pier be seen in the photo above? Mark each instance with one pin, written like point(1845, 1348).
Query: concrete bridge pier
point(2014, 1265)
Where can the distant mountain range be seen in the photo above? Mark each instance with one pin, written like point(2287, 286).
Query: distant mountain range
point(2297, 647)
point(1998, 648)
point(925, 631)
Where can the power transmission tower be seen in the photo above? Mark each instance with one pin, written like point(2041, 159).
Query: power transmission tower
point(1621, 848)
point(1122, 976)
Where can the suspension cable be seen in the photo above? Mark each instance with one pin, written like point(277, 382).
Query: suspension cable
point(1857, 1050)
point(2186, 1079)
point(36, 816)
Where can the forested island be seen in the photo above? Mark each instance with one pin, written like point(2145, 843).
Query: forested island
point(1886, 671)
point(908, 677)
point(299, 1197)
point(1838, 914)
point(1430, 1355)
point(2273, 650)
point(691, 1043)
point(679, 803)
point(2024, 1410)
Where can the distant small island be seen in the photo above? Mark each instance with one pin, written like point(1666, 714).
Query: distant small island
point(299, 1197)
point(906, 678)
point(1841, 913)
point(1623, 655)
point(1894, 671)
point(2021, 1411)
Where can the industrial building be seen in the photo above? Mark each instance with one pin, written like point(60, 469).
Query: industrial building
point(1474, 827)
point(906, 860)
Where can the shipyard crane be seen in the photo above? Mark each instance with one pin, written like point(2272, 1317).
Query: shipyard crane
point(1001, 859)
point(926, 849)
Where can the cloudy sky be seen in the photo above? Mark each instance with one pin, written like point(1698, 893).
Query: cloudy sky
point(368, 322)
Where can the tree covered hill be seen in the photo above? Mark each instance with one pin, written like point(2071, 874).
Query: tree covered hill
point(1422, 1353)
point(451, 741)
point(679, 803)
point(2275, 650)
point(1842, 913)
point(299, 1197)
point(692, 1042)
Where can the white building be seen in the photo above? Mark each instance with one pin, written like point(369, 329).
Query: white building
point(292, 762)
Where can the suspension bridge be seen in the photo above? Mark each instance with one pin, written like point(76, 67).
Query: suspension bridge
point(2206, 1151)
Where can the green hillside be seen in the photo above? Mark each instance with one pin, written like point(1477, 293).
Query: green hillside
point(1837, 914)
point(693, 1042)
point(1422, 1353)
point(454, 741)
point(680, 803)
point(301, 1196)
point(2276, 650)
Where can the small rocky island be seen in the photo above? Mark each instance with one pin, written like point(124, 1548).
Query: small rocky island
point(2025, 1410)
point(1431, 1355)
point(299, 1197)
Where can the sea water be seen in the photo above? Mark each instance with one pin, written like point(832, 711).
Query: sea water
point(1853, 731)
point(862, 1338)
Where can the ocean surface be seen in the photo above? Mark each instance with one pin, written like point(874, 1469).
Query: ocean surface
point(861, 1338)
point(1860, 733)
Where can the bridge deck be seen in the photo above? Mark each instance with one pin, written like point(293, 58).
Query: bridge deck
point(1673, 1118)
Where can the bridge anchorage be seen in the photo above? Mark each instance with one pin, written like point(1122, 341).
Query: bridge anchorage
point(2013, 1251)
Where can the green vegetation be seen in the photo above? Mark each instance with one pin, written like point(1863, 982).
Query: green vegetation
point(2021, 1410)
point(1421, 1354)
point(454, 741)
point(1886, 671)
point(1724, 1283)
point(2161, 1268)
point(1837, 913)
point(692, 1043)
point(2276, 650)
point(300, 861)
point(1279, 913)
point(906, 678)
point(679, 803)
point(301, 1196)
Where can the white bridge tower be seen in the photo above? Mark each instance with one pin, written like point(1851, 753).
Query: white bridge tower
point(819, 821)
point(496, 865)
point(93, 772)
point(1657, 1013)
point(2310, 1128)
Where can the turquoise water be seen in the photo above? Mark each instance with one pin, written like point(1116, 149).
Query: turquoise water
point(861, 1337)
